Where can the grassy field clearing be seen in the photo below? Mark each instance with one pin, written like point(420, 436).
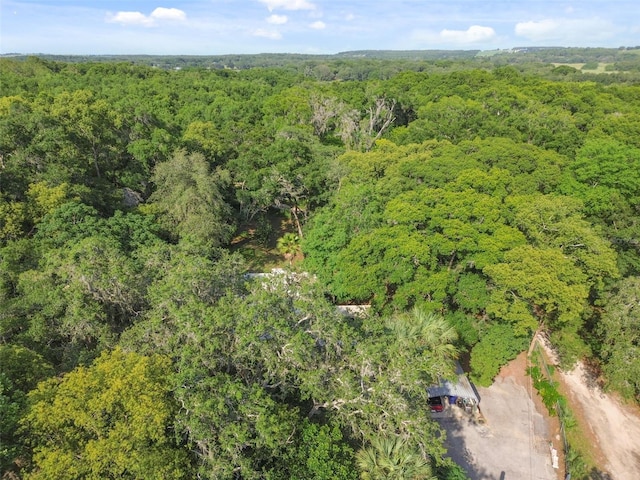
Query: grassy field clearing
point(578, 66)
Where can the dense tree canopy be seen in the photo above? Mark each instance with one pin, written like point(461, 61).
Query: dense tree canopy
point(619, 331)
point(470, 203)
point(110, 420)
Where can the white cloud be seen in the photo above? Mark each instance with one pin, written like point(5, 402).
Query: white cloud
point(319, 25)
point(473, 34)
point(161, 13)
point(288, 4)
point(270, 34)
point(537, 30)
point(565, 30)
point(277, 19)
point(131, 18)
point(139, 18)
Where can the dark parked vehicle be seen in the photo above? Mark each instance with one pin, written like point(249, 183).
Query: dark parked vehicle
point(436, 404)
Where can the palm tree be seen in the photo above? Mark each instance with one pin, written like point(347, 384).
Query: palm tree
point(392, 458)
point(427, 336)
point(289, 245)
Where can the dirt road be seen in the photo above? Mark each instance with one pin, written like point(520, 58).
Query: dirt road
point(612, 426)
point(615, 427)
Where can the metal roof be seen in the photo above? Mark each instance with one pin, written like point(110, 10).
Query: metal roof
point(460, 388)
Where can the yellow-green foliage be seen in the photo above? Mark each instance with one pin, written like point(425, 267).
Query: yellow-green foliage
point(44, 199)
point(104, 420)
point(12, 219)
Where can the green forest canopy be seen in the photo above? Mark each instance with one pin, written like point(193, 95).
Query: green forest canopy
point(470, 204)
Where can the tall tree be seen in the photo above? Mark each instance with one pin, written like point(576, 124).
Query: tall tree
point(540, 288)
point(21, 370)
point(619, 332)
point(250, 367)
point(190, 199)
point(109, 420)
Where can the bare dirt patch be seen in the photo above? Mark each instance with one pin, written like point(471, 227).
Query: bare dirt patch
point(613, 428)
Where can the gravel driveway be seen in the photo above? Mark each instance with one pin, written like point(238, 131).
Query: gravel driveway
point(511, 442)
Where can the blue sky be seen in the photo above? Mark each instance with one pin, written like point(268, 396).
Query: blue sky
point(213, 27)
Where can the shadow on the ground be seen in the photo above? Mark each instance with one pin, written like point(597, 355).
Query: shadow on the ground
point(458, 451)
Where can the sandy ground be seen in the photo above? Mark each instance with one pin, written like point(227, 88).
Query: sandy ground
point(511, 439)
point(615, 426)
